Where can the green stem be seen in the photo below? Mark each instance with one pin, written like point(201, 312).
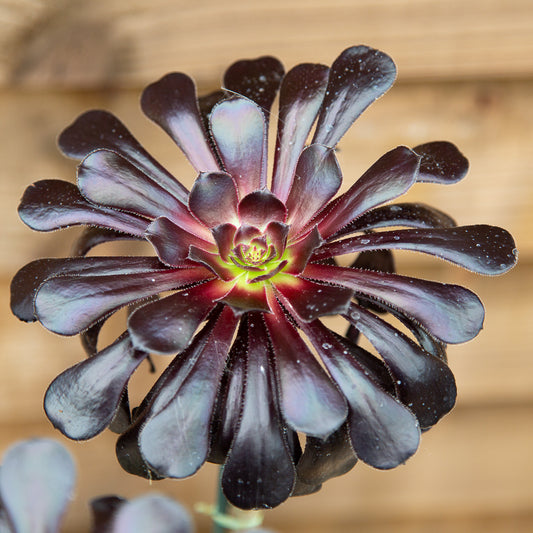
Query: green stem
point(222, 506)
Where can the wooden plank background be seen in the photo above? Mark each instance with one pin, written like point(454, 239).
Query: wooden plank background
point(465, 75)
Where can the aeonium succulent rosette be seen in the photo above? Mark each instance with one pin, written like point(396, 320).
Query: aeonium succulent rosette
point(244, 269)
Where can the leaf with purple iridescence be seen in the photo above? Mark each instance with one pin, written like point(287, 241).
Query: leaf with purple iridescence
point(213, 199)
point(483, 249)
point(257, 79)
point(300, 251)
point(424, 382)
point(229, 398)
point(48, 205)
point(171, 103)
point(82, 401)
point(441, 163)
point(107, 179)
point(451, 313)
point(261, 207)
point(172, 242)
point(29, 278)
point(69, 304)
point(402, 214)
point(392, 175)
point(301, 95)
point(167, 325)
point(164, 389)
point(259, 471)
point(311, 299)
point(316, 181)
point(239, 129)
point(97, 129)
point(174, 439)
point(358, 77)
point(309, 401)
point(383, 432)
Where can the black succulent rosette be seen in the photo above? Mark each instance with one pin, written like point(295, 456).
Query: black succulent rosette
point(243, 271)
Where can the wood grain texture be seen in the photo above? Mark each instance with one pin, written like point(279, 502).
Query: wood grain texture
point(105, 43)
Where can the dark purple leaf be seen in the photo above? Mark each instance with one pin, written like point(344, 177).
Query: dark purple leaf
point(324, 459)
point(239, 130)
point(224, 235)
point(103, 511)
point(403, 214)
point(165, 388)
point(70, 304)
point(259, 471)
point(451, 313)
point(29, 278)
point(424, 383)
point(82, 401)
point(89, 338)
point(245, 297)
point(301, 95)
point(441, 163)
point(129, 455)
point(229, 398)
point(98, 129)
point(93, 236)
point(36, 484)
point(152, 512)
point(213, 262)
point(310, 299)
point(172, 242)
point(174, 438)
point(427, 341)
point(206, 104)
point(245, 234)
point(171, 103)
point(374, 367)
point(483, 249)
point(213, 199)
point(298, 253)
point(392, 175)
point(310, 403)
point(276, 234)
point(110, 180)
point(257, 79)
point(122, 419)
point(317, 180)
point(384, 433)
point(358, 77)
point(381, 260)
point(166, 326)
point(54, 204)
point(261, 207)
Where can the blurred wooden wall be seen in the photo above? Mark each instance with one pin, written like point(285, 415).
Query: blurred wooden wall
point(465, 75)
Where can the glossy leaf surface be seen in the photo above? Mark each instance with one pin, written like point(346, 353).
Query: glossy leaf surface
point(259, 471)
point(358, 77)
point(171, 103)
point(450, 312)
point(82, 401)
